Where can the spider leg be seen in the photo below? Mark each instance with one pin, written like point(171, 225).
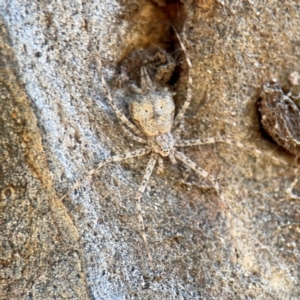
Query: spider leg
point(148, 172)
point(203, 173)
point(134, 137)
point(289, 190)
point(119, 114)
point(180, 156)
point(214, 140)
point(160, 169)
point(115, 158)
point(190, 82)
point(146, 82)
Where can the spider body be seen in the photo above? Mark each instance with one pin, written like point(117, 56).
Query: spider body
point(153, 113)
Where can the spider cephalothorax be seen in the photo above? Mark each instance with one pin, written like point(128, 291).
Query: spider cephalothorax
point(162, 144)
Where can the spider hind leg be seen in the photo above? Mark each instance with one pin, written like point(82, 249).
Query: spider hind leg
point(138, 196)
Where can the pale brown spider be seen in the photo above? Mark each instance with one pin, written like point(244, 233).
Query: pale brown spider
point(153, 113)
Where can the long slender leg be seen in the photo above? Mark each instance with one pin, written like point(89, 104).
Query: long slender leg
point(289, 190)
point(119, 114)
point(203, 173)
point(213, 140)
point(135, 153)
point(214, 182)
point(160, 168)
point(190, 82)
point(134, 137)
point(148, 172)
point(146, 82)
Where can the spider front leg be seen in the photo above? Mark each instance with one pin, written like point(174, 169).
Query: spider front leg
point(118, 113)
point(147, 175)
point(115, 158)
point(187, 101)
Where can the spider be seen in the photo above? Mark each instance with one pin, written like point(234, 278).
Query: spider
point(152, 111)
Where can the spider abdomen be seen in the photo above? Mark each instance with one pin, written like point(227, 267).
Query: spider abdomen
point(153, 112)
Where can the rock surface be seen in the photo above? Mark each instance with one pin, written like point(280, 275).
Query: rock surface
point(56, 125)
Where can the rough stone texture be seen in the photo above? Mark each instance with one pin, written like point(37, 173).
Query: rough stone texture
point(89, 246)
point(39, 252)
